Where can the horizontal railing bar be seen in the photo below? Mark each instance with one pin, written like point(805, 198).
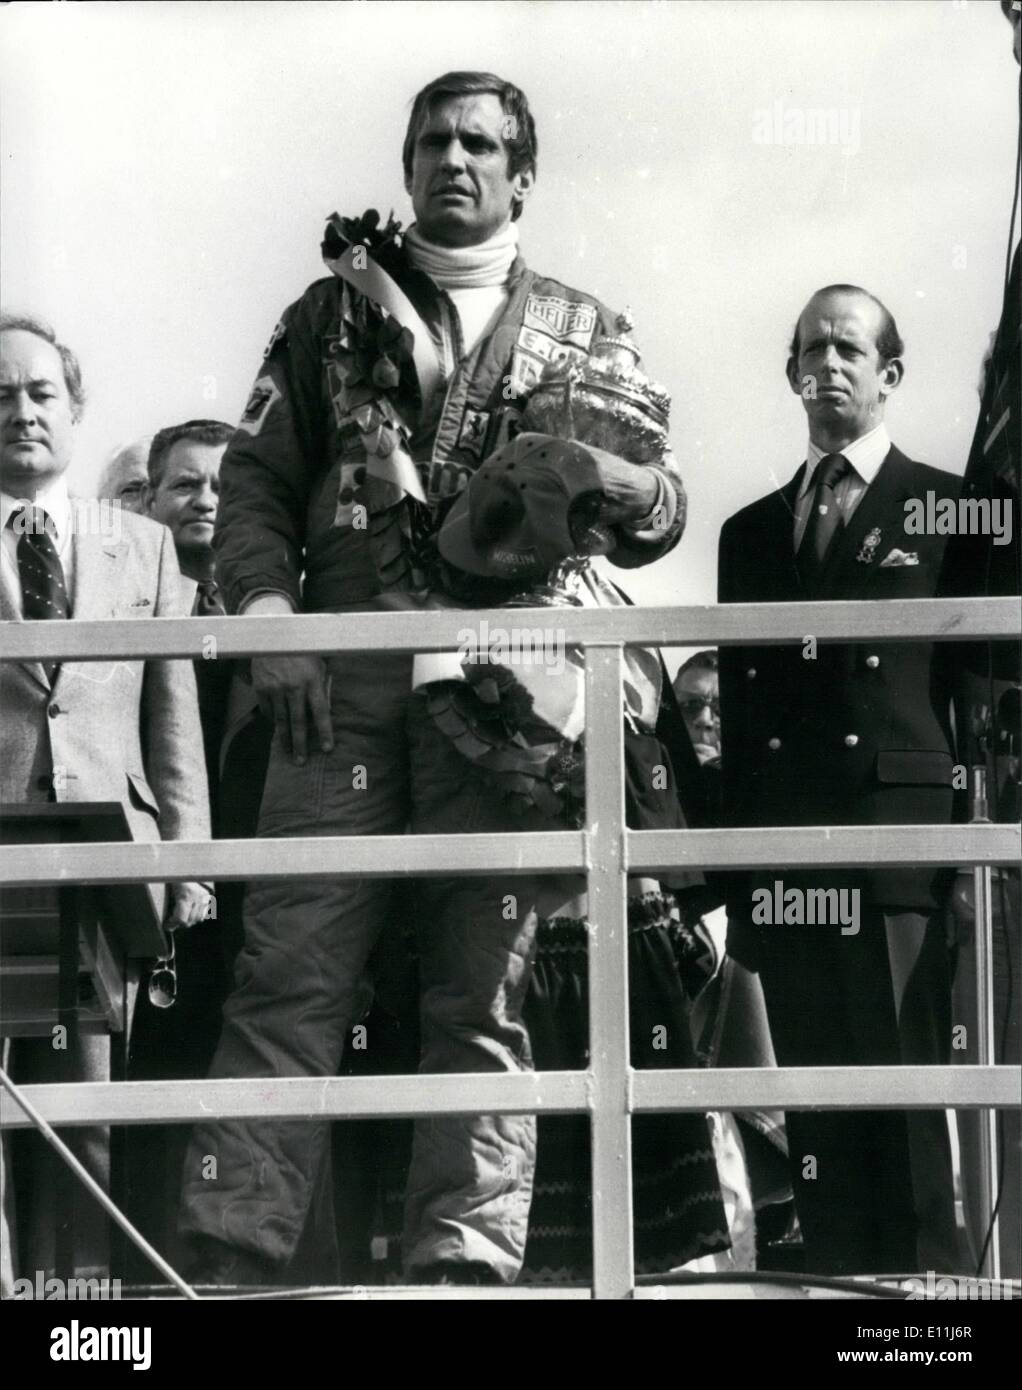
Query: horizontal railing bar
point(828, 1088)
point(833, 846)
point(558, 1093)
point(397, 1293)
point(562, 851)
point(445, 629)
point(314, 857)
point(300, 1098)
point(384, 1293)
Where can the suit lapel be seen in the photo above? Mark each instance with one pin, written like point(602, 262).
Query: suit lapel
point(97, 565)
point(784, 582)
point(882, 509)
point(97, 561)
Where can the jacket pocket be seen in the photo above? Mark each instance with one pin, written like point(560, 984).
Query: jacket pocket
point(142, 796)
point(914, 768)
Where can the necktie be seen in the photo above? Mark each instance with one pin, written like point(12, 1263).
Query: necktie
point(43, 591)
point(207, 600)
point(824, 519)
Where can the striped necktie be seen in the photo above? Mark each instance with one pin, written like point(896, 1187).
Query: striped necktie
point(43, 589)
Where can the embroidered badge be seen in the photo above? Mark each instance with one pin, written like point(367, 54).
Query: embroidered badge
point(276, 337)
point(472, 435)
point(564, 319)
point(264, 393)
point(867, 552)
point(526, 370)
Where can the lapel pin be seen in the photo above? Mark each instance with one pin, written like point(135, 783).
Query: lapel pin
point(868, 549)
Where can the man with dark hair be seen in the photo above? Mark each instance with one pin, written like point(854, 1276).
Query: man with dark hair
point(182, 490)
point(383, 389)
point(124, 731)
point(846, 734)
point(518, 129)
point(888, 340)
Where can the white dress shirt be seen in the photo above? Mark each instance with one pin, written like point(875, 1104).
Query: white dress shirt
point(56, 503)
point(865, 455)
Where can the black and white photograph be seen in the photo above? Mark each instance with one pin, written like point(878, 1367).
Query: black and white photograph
point(524, 803)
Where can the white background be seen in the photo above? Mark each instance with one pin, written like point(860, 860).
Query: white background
point(167, 169)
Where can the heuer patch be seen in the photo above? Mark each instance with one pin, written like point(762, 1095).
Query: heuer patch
point(264, 393)
point(472, 435)
point(567, 320)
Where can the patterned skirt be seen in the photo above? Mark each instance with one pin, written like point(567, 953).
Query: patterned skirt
point(678, 1208)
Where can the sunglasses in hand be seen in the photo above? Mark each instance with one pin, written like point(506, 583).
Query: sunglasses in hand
point(163, 979)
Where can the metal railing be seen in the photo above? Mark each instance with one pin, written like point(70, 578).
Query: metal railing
point(610, 1091)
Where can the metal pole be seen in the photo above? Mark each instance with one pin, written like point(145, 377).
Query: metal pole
point(613, 1255)
point(93, 1186)
point(982, 876)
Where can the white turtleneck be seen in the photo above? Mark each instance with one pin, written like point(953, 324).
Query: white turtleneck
point(474, 277)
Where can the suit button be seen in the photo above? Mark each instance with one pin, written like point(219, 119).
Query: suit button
point(872, 662)
point(851, 740)
point(53, 711)
point(774, 744)
point(751, 673)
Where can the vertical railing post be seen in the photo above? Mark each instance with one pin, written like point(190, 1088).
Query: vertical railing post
point(983, 919)
point(613, 1258)
point(987, 1177)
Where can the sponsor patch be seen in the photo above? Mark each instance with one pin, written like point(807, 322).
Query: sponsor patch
point(549, 349)
point(264, 394)
point(472, 435)
point(567, 320)
point(526, 370)
point(277, 336)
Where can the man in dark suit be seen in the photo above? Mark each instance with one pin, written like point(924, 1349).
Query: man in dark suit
point(846, 734)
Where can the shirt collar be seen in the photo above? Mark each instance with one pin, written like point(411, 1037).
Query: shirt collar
point(54, 500)
point(865, 454)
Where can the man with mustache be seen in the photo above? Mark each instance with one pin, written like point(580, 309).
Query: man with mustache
point(382, 392)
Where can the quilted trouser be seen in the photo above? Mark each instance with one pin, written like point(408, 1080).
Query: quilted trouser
point(470, 1181)
point(298, 994)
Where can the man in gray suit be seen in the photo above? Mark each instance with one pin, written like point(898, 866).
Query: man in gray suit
point(124, 731)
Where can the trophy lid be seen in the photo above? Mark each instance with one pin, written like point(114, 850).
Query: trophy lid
point(611, 371)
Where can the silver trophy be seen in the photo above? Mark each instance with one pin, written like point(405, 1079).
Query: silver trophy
point(605, 400)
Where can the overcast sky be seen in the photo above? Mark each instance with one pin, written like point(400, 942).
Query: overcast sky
point(167, 169)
